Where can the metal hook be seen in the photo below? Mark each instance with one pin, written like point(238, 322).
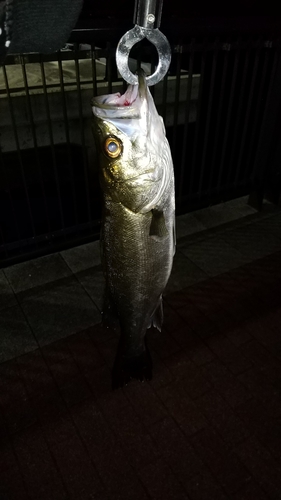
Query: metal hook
point(147, 14)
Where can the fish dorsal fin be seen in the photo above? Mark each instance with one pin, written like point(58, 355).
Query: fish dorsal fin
point(158, 224)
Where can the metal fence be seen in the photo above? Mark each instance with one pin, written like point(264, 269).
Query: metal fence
point(216, 102)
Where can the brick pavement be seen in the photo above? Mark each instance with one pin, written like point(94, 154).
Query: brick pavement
point(207, 427)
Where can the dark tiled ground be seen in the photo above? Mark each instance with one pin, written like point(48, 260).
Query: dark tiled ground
point(207, 427)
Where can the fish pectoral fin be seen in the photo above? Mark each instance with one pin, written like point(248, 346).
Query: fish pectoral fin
point(158, 224)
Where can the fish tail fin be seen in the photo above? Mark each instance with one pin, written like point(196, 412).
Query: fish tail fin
point(137, 367)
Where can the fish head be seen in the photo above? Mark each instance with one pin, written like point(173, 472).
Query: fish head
point(133, 150)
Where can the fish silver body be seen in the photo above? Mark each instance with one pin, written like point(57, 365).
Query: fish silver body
point(138, 224)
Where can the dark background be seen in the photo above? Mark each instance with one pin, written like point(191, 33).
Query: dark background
point(180, 18)
point(182, 9)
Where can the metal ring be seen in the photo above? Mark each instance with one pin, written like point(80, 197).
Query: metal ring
point(135, 35)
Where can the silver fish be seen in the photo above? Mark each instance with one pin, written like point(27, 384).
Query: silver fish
point(138, 226)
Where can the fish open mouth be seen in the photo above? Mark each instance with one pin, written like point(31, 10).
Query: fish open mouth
point(121, 100)
point(117, 101)
point(132, 98)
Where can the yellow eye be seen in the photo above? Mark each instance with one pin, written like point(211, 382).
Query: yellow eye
point(113, 147)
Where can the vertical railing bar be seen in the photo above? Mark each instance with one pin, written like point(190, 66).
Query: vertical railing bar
point(94, 71)
point(43, 77)
point(177, 95)
point(238, 116)
point(34, 138)
point(18, 151)
point(109, 68)
point(3, 245)
point(257, 109)
point(218, 121)
point(67, 137)
point(229, 111)
point(271, 82)
point(85, 162)
point(124, 85)
point(2, 162)
point(196, 138)
point(246, 120)
point(152, 69)
point(138, 59)
point(186, 122)
point(208, 119)
point(164, 97)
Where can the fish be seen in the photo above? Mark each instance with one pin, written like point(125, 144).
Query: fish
point(138, 220)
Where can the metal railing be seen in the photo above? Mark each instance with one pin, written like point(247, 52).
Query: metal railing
point(214, 102)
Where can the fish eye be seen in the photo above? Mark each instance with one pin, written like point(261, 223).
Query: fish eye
point(113, 147)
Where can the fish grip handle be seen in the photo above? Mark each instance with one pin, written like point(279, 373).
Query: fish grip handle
point(148, 13)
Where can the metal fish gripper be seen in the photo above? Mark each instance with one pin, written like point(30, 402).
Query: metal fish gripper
point(147, 18)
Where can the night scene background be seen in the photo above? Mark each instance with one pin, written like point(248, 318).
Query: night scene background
point(207, 426)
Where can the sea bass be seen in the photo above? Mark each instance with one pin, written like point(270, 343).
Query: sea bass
point(138, 225)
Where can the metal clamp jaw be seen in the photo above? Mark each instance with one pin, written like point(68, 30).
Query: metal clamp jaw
point(147, 15)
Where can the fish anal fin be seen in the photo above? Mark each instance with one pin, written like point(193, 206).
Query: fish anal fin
point(158, 224)
point(157, 317)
